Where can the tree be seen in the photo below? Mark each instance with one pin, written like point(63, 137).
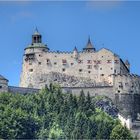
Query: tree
point(81, 101)
point(89, 105)
point(120, 132)
point(56, 132)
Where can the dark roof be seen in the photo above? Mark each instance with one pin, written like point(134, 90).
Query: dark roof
point(2, 78)
point(89, 45)
point(75, 49)
point(36, 32)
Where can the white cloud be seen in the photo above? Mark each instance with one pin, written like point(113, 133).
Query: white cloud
point(97, 5)
point(21, 15)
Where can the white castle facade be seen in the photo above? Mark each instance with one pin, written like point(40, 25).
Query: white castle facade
point(86, 68)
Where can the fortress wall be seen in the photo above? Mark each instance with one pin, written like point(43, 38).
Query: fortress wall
point(128, 104)
point(125, 83)
point(22, 90)
point(94, 91)
point(99, 68)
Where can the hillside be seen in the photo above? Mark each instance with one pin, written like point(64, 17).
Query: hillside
point(55, 115)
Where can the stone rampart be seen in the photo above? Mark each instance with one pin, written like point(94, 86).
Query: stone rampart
point(22, 90)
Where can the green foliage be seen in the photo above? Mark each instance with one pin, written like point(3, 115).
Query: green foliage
point(50, 114)
point(120, 132)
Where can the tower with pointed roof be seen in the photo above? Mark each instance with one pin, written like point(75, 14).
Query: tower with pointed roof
point(36, 37)
point(89, 47)
point(75, 53)
point(37, 41)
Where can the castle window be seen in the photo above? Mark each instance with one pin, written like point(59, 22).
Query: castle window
point(0, 87)
point(40, 55)
point(102, 74)
point(118, 91)
point(55, 56)
point(80, 70)
point(126, 84)
point(108, 61)
point(39, 63)
point(89, 61)
point(100, 68)
point(89, 71)
point(94, 61)
point(80, 61)
point(48, 61)
point(64, 61)
point(99, 62)
point(30, 63)
point(120, 85)
point(55, 63)
point(116, 61)
point(72, 63)
point(111, 68)
point(63, 69)
point(89, 66)
point(29, 56)
point(102, 56)
point(41, 79)
point(115, 71)
point(30, 70)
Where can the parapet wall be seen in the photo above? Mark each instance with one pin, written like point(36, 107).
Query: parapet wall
point(94, 91)
point(22, 90)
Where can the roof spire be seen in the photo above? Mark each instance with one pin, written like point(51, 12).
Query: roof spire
point(36, 31)
point(89, 47)
point(75, 49)
point(89, 42)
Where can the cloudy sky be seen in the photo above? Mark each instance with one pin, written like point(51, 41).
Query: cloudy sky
point(63, 25)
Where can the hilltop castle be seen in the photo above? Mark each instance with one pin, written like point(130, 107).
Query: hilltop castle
point(98, 72)
point(86, 68)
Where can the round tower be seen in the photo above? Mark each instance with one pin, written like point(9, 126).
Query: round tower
point(33, 59)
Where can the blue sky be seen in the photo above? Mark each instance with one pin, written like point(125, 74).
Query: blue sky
point(63, 25)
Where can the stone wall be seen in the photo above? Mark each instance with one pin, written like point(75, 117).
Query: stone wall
point(96, 66)
point(94, 91)
point(3, 85)
point(22, 90)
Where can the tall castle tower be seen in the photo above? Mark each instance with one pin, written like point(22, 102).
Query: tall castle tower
point(30, 60)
